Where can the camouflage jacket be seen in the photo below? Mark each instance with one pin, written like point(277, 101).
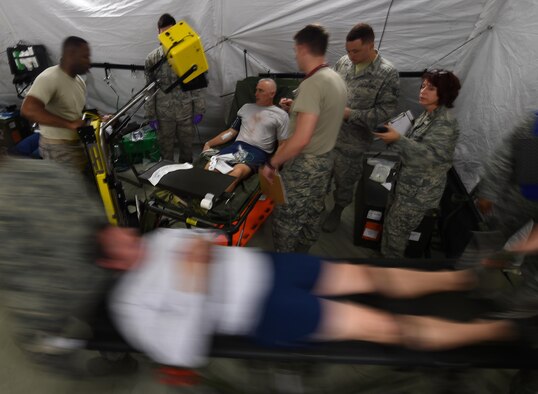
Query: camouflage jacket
point(427, 153)
point(177, 104)
point(372, 97)
point(498, 176)
point(48, 224)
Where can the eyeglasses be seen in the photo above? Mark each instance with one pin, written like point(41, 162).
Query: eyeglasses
point(436, 71)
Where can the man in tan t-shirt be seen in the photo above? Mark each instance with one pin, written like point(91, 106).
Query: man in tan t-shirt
point(306, 156)
point(56, 101)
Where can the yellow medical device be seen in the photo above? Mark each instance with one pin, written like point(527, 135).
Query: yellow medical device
point(97, 159)
point(184, 51)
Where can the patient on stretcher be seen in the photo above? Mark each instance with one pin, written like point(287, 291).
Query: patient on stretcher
point(258, 127)
point(184, 290)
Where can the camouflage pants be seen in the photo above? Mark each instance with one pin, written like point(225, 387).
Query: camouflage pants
point(296, 225)
point(170, 132)
point(403, 216)
point(72, 154)
point(347, 171)
point(47, 262)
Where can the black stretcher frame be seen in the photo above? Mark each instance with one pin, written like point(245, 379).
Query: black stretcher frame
point(192, 217)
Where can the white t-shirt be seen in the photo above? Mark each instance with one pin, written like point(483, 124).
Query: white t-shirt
point(173, 326)
point(262, 126)
point(63, 96)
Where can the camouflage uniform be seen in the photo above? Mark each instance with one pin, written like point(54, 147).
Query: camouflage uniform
point(296, 224)
point(498, 184)
point(373, 97)
point(68, 153)
point(511, 212)
point(426, 154)
point(47, 270)
point(174, 110)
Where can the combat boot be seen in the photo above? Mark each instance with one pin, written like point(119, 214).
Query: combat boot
point(332, 221)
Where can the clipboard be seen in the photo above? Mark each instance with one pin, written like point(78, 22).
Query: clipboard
point(276, 190)
point(403, 122)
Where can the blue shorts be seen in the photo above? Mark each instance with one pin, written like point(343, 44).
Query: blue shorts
point(256, 157)
point(291, 313)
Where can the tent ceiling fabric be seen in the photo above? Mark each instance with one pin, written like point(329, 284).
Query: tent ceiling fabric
point(499, 84)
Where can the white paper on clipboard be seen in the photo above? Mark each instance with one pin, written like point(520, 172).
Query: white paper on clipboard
point(403, 122)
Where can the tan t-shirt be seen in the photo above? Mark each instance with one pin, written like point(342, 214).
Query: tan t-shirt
point(325, 95)
point(63, 96)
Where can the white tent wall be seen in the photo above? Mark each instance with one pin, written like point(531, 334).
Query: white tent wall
point(500, 83)
point(7, 39)
point(495, 67)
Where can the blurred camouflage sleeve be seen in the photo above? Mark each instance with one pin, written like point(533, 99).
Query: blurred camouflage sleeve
point(499, 168)
point(48, 223)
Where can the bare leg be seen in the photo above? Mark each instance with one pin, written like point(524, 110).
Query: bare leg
point(240, 172)
point(338, 279)
point(342, 278)
point(346, 321)
point(430, 333)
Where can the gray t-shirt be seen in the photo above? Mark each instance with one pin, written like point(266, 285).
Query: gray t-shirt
point(325, 95)
point(262, 126)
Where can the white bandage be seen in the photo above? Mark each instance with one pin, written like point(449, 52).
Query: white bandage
point(225, 136)
point(207, 202)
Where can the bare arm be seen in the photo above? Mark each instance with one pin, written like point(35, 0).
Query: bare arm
point(222, 138)
point(34, 109)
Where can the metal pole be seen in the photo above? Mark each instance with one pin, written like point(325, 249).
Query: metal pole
point(139, 96)
point(245, 58)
